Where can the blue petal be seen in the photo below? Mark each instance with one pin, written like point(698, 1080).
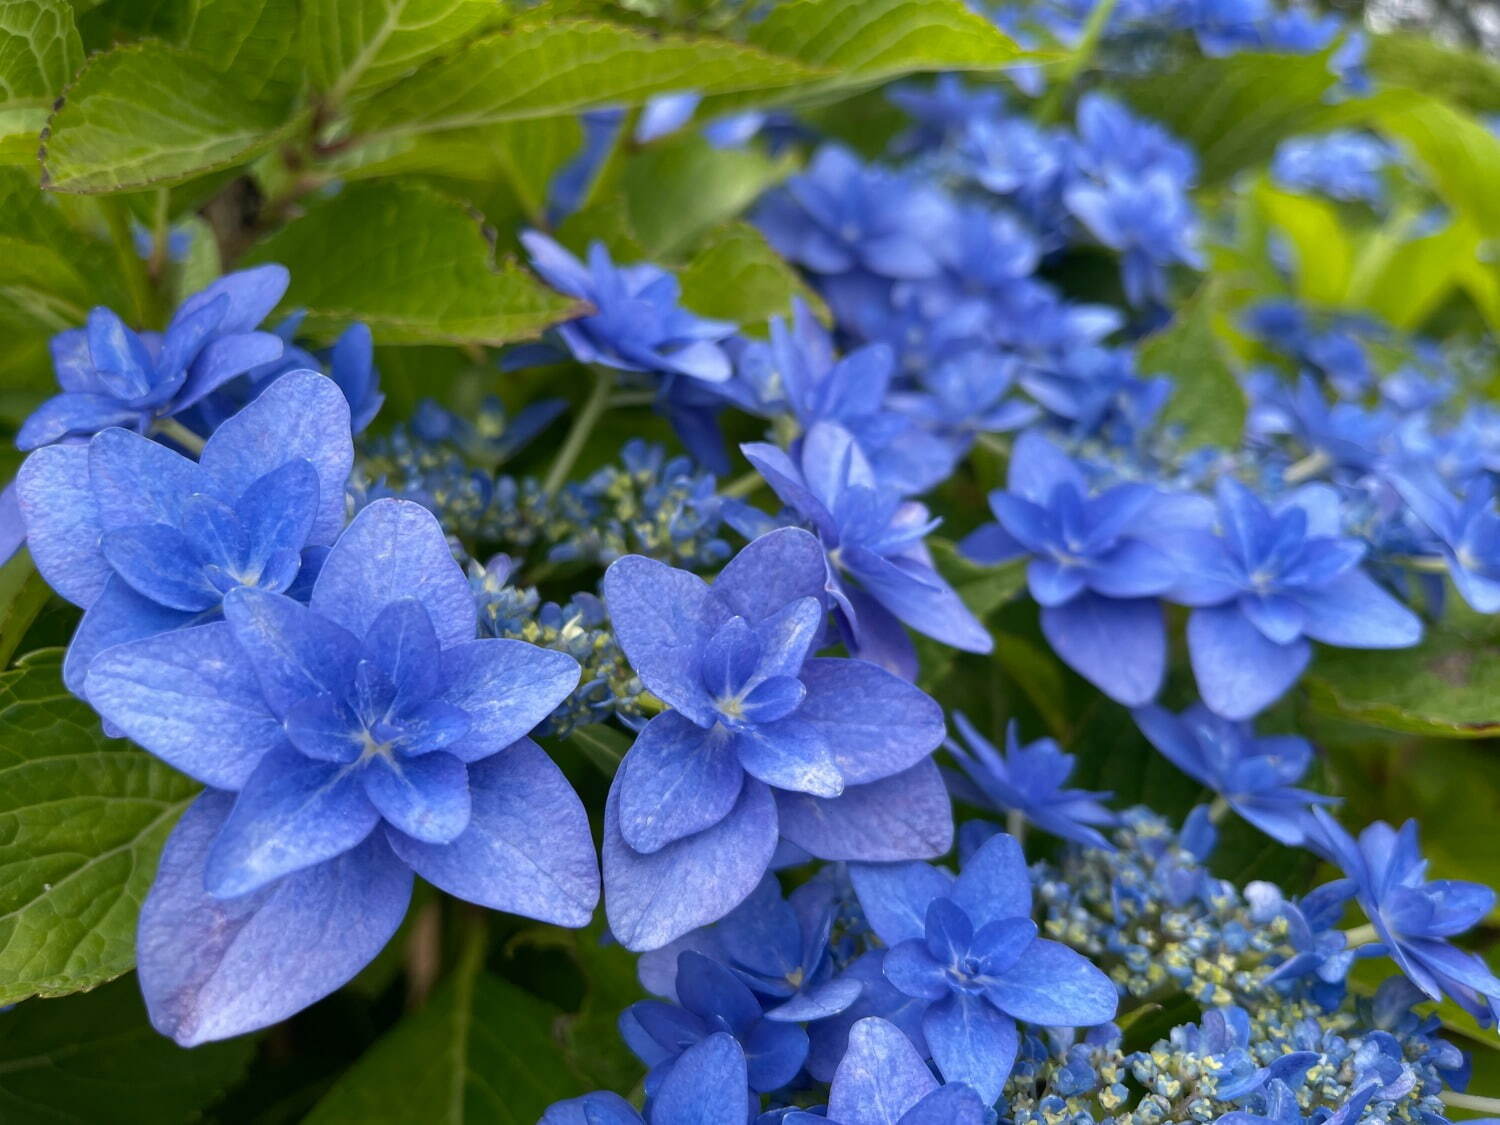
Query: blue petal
point(994, 883)
point(222, 360)
point(880, 1078)
point(191, 699)
point(62, 522)
point(676, 780)
point(790, 754)
point(895, 896)
point(213, 968)
point(395, 549)
point(277, 513)
point(426, 797)
point(707, 1085)
point(663, 618)
point(506, 688)
point(72, 413)
point(714, 993)
point(1037, 467)
point(955, 1104)
point(300, 417)
point(1054, 986)
point(772, 571)
point(912, 968)
point(971, 1043)
point(786, 480)
point(251, 295)
point(117, 615)
point(876, 723)
point(775, 1053)
point(1355, 612)
point(599, 1108)
point(1240, 672)
point(905, 816)
point(323, 727)
point(1119, 646)
point(820, 1003)
point(137, 481)
point(160, 564)
point(652, 899)
point(527, 849)
point(927, 604)
point(403, 644)
point(295, 652)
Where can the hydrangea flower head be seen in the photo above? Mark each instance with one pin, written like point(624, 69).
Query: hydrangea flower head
point(708, 1083)
point(1273, 581)
point(879, 572)
point(1148, 219)
point(1029, 780)
point(348, 742)
point(1414, 916)
point(1467, 531)
point(1342, 164)
point(113, 376)
point(761, 739)
point(1256, 776)
point(638, 323)
point(840, 216)
point(1094, 568)
point(969, 949)
point(147, 540)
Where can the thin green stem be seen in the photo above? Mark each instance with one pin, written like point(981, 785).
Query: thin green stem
point(1479, 1104)
point(1428, 564)
point(743, 486)
point(161, 220)
point(1361, 935)
point(1218, 810)
point(583, 426)
point(1015, 824)
point(1093, 31)
point(172, 428)
point(1310, 466)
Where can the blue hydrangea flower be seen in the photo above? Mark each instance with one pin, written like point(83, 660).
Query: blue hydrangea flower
point(1095, 392)
point(351, 364)
point(146, 540)
point(113, 376)
point(879, 572)
point(1413, 917)
point(1029, 780)
point(882, 1080)
point(348, 743)
point(840, 215)
point(707, 1084)
point(1148, 219)
point(1256, 776)
point(969, 949)
point(1467, 531)
point(638, 323)
point(1321, 949)
point(1343, 164)
point(1096, 569)
point(966, 395)
point(1273, 581)
point(713, 1000)
point(1221, 1040)
point(762, 740)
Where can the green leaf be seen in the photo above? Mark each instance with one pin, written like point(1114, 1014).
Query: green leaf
point(94, 1059)
point(1207, 399)
point(23, 593)
point(412, 264)
point(353, 46)
point(1448, 686)
point(1323, 257)
point(1403, 280)
point(481, 1050)
point(562, 67)
point(1461, 78)
point(39, 51)
point(678, 189)
point(602, 745)
point(736, 276)
point(82, 821)
point(253, 43)
point(1234, 111)
point(151, 115)
point(1457, 152)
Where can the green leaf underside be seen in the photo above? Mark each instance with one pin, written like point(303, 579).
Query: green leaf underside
point(1207, 399)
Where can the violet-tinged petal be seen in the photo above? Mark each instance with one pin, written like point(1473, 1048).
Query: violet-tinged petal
point(116, 616)
point(771, 571)
point(652, 899)
point(880, 1078)
point(994, 883)
point(1119, 646)
point(912, 968)
point(876, 723)
point(215, 968)
point(57, 504)
point(426, 797)
point(905, 816)
point(1239, 671)
point(790, 754)
point(294, 652)
point(527, 849)
point(1055, 986)
point(971, 1042)
point(191, 699)
point(707, 1085)
point(506, 687)
point(895, 897)
point(676, 780)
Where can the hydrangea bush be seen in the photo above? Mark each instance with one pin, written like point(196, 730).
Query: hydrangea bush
point(880, 562)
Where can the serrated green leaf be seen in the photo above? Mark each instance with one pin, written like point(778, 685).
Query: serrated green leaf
point(561, 67)
point(23, 593)
point(735, 275)
point(481, 1050)
point(82, 821)
point(1457, 152)
point(1234, 111)
point(412, 264)
point(1207, 399)
point(353, 46)
point(95, 1060)
point(148, 115)
point(253, 43)
point(39, 51)
point(1448, 686)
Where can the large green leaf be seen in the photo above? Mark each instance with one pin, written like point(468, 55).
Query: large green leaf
point(23, 593)
point(94, 1060)
point(413, 265)
point(82, 820)
point(1457, 152)
point(481, 1050)
point(149, 114)
point(735, 275)
point(39, 51)
point(1234, 111)
point(1403, 279)
point(1459, 77)
point(354, 46)
point(1448, 686)
point(1207, 399)
point(253, 43)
